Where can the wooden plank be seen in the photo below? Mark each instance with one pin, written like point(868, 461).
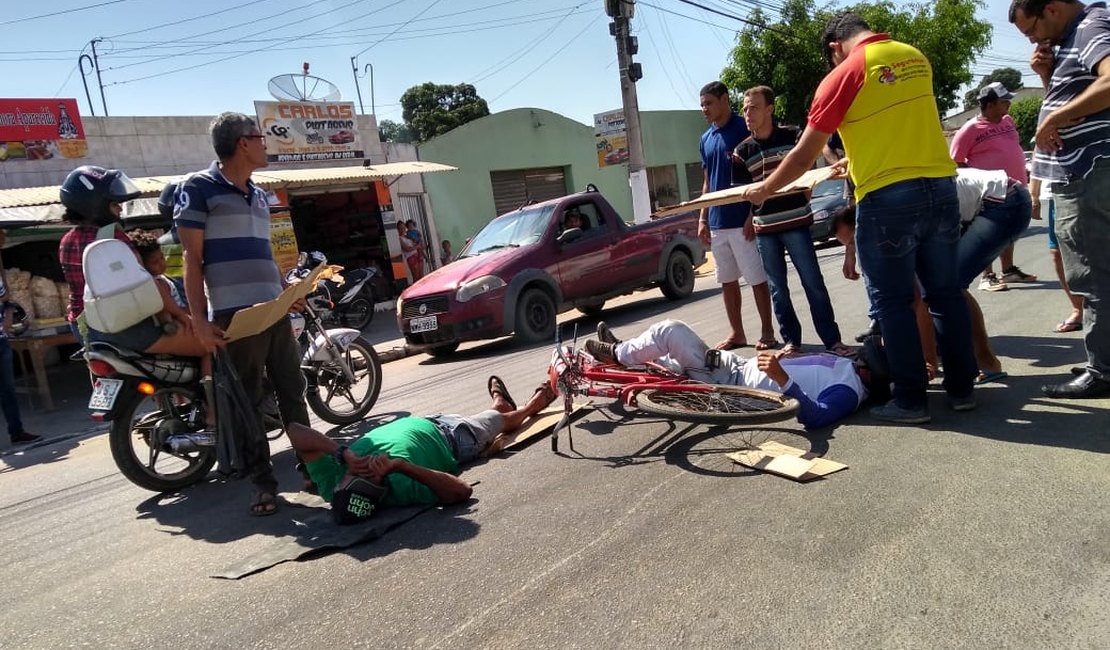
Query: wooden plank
point(806, 181)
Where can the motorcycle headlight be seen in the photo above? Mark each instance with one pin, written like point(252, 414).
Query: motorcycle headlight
point(477, 287)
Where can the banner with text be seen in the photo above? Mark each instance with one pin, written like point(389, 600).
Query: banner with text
point(41, 129)
point(308, 131)
point(612, 138)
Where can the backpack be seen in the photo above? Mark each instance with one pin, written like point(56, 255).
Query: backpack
point(119, 292)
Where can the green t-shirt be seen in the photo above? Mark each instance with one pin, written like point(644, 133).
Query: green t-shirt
point(416, 440)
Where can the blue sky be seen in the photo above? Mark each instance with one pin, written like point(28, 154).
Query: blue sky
point(205, 56)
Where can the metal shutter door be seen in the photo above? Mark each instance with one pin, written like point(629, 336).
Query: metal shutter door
point(512, 189)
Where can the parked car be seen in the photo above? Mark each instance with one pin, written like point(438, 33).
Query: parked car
point(523, 269)
point(829, 197)
point(341, 137)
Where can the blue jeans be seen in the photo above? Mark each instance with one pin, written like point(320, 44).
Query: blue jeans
point(772, 250)
point(989, 233)
point(8, 401)
point(906, 230)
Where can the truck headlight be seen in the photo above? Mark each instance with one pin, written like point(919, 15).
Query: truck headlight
point(477, 287)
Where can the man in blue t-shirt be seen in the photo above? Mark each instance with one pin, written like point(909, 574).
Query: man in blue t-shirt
point(1072, 58)
point(727, 228)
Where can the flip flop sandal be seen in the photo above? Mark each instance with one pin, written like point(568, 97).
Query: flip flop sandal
point(842, 350)
point(495, 385)
point(548, 392)
point(729, 344)
point(768, 344)
point(988, 377)
point(790, 349)
point(1069, 326)
point(263, 504)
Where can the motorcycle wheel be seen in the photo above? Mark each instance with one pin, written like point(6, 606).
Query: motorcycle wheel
point(358, 314)
point(336, 400)
point(152, 417)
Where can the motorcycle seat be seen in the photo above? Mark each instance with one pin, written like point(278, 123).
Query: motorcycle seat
point(159, 367)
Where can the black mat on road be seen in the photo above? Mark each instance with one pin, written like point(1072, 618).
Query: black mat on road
point(312, 531)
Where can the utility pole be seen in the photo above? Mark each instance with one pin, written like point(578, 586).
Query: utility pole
point(621, 11)
point(99, 81)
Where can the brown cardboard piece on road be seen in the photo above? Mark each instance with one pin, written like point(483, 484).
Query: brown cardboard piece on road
point(806, 181)
point(257, 319)
point(783, 460)
point(542, 423)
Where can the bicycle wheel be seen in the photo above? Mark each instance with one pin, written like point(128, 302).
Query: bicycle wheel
point(721, 405)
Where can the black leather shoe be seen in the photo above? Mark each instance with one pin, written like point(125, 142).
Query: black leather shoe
point(872, 328)
point(1085, 386)
point(1078, 370)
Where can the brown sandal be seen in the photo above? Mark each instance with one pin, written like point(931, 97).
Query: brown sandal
point(497, 387)
point(767, 344)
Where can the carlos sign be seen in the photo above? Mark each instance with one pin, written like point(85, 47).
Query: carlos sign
point(307, 131)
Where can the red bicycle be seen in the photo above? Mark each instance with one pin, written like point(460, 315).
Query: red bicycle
point(659, 391)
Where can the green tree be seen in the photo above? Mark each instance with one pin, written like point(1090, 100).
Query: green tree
point(390, 131)
point(434, 109)
point(1025, 112)
point(787, 56)
point(1009, 77)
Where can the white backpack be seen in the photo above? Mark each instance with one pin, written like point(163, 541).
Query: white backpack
point(119, 292)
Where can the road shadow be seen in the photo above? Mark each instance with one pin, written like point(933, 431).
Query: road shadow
point(42, 453)
point(1060, 351)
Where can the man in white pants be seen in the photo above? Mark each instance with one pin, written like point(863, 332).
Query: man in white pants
point(827, 387)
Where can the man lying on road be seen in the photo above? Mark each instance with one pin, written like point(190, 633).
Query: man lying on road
point(827, 387)
point(416, 459)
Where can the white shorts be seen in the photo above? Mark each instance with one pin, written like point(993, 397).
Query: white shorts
point(736, 257)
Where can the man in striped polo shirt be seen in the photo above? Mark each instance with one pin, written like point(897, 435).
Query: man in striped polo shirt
point(223, 220)
point(879, 95)
point(1072, 58)
point(782, 226)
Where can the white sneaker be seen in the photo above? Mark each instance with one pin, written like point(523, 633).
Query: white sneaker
point(992, 283)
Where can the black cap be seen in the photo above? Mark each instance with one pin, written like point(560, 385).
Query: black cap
point(357, 500)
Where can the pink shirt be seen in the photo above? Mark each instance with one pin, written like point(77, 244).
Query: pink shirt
point(985, 145)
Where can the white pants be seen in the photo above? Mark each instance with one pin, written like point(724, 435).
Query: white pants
point(675, 346)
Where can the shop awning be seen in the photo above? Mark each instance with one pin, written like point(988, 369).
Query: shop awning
point(33, 205)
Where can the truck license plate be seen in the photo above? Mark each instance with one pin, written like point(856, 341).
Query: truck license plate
point(423, 324)
point(104, 394)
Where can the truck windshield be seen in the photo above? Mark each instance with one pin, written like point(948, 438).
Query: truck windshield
point(510, 230)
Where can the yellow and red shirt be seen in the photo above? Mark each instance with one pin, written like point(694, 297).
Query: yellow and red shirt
point(881, 100)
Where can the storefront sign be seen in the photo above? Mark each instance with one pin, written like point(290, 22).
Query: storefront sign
point(612, 138)
point(41, 129)
point(283, 242)
point(304, 131)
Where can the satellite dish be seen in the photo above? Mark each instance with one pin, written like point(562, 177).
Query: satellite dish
point(303, 87)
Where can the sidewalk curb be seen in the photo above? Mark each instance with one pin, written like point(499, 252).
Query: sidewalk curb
point(79, 435)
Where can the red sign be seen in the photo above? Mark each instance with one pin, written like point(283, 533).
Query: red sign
point(39, 129)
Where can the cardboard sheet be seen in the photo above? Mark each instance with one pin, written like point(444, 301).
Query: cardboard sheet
point(791, 462)
point(257, 319)
point(806, 181)
point(543, 422)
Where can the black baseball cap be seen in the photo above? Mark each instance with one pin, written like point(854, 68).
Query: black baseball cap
point(357, 500)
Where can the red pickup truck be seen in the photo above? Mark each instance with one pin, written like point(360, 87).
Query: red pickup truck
point(525, 267)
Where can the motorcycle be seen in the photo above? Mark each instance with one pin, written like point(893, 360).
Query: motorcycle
point(349, 303)
point(159, 405)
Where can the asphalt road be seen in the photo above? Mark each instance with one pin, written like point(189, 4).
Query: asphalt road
point(984, 529)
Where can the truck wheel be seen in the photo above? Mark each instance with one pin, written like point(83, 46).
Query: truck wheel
point(594, 309)
point(678, 277)
point(445, 350)
point(535, 316)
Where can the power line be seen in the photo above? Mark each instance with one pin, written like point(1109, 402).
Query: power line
point(405, 24)
point(174, 23)
point(59, 13)
point(659, 57)
point(531, 44)
point(549, 59)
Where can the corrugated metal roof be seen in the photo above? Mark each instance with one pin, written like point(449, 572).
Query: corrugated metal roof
point(266, 178)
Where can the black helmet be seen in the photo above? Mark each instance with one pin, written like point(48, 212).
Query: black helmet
point(20, 321)
point(167, 199)
point(88, 191)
